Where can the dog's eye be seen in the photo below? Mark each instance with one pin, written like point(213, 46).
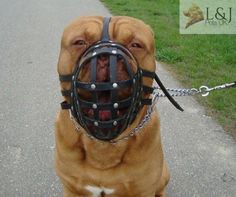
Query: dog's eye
point(79, 42)
point(136, 45)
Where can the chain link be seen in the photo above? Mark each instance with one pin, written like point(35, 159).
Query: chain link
point(146, 118)
point(176, 92)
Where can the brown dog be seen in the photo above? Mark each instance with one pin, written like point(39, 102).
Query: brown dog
point(90, 168)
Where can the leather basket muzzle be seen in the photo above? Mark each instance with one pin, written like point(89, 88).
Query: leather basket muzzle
point(104, 115)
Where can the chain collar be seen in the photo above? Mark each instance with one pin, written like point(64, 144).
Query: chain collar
point(133, 132)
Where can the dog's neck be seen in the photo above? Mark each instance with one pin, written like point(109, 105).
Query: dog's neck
point(103, 155)
point(107, 155)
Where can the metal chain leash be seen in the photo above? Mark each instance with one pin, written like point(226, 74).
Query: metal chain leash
point(174, 92)
point(203, 90)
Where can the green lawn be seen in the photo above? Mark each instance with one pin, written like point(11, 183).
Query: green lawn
point(194, 59)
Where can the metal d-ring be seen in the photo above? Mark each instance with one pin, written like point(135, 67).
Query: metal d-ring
point(204, 90)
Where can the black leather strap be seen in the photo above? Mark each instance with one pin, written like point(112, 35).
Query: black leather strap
point(104, 86)
point(65, 105)
point(104, 106)
point(65, 78)
point(105, 31)
point(100, 51)
point(146, 101)
point(148, 89)
point(167, 93)
point(146, 73)
point(66, 92)
point(94, 78)
point(113, 78)
point(153, 75)
point(105, 124)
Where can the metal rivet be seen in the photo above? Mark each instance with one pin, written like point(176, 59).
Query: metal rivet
point(73, 77)
point(95, 106)
point(114, 85)
point(114, 51)
point(115, 123)
point(115, 105)
point(94, 53)
point(95, 123)
point(93, 86)
point(134, 80)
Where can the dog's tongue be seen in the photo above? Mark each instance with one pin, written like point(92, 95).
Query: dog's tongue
point(104, 115)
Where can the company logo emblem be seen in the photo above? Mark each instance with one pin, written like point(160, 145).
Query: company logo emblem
point(207, 17)
point(195, 14)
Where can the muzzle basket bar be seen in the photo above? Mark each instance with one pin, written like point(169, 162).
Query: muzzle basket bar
point(89, 112)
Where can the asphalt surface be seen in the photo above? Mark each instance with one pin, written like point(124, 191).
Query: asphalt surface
point(201, 156)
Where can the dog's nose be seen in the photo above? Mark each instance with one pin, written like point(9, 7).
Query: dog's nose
point(103, 60)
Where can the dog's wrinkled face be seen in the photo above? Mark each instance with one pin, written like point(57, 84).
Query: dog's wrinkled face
point(136, 36)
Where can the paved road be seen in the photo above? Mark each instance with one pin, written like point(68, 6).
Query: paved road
point(201, 157)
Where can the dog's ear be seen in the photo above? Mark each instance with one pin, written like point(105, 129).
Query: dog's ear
point(67, 58)
point(153, 48)
point(65, 62)
point(150, 59)
point(64, 67)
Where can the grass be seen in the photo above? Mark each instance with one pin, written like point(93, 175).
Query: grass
point(194, 59)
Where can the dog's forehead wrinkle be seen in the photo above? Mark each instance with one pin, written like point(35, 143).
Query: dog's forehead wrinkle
point(126, 24)
point(88, 28)
point(125, 33)
point(92, 33)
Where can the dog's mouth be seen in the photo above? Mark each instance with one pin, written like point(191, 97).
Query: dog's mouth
point(103, 75)
point(104, 114)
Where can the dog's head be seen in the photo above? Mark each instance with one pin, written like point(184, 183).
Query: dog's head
point(132, 34)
